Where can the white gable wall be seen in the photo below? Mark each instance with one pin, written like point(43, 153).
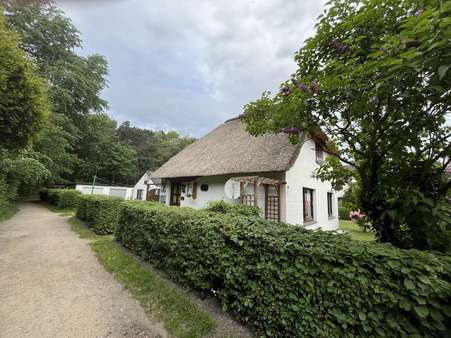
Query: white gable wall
point(300, 176)
point(141, 184)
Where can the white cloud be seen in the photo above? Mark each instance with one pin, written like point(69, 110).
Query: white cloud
point(189, 65)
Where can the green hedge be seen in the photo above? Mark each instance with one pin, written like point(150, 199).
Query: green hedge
point(61, 198)
point(52, 196)
point(69, 198)
point(343, 213)
point(100, 212)
point(289, 282)
point(223, 207)
point(44, 195)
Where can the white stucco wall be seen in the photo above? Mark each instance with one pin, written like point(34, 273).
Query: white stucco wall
point(141, 184)
point(300, 176)
point(123, 192)
point(216, 191)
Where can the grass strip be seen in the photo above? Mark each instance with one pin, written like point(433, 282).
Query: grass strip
point(181, 317)
point(83, 232)
point(59, 211)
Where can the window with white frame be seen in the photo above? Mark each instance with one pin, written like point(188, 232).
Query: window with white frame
point(319, 155)
point(308, 195)
point(139, 194)
point(330, 205)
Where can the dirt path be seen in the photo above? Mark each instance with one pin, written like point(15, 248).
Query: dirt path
point(51, 284)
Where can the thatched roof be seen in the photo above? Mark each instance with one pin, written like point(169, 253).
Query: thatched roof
point(229, 149)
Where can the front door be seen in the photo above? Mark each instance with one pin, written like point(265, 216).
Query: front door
point(176, 190)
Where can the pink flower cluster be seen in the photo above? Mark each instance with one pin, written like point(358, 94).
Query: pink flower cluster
point(356, 215)
point(340, 48)
point(313, 87)
point(291, 131)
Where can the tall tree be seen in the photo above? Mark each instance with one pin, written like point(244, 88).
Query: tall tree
point(75, 82)
point(103, 155)
point(153, 147)
point(376, 79)
point(23, 112)
point(23, 95)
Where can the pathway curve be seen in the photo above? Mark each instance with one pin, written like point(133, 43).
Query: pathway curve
point(51, 284)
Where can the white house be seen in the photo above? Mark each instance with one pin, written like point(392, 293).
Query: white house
point(268, 171)
point(145, 188)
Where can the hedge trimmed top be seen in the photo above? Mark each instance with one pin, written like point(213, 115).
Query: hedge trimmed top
point(289, 282)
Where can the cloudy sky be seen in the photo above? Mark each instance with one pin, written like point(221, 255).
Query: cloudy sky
point(190, 65)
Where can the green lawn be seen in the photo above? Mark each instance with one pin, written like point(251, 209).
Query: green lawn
point(181, 317)
point(355, 231)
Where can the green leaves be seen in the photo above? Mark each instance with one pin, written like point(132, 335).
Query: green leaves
point(288, 282)
point(442, 71)
point(383, 82)
point(100, 212)
point(421, 311)
point(409, 284)
point(23, 94)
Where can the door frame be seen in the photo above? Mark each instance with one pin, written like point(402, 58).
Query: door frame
point(175, 194)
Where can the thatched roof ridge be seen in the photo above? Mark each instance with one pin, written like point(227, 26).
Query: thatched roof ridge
point(229, 149)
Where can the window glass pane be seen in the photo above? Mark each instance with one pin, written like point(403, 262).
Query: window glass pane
point(329, 204)
point(318, 152)
point(308, 204)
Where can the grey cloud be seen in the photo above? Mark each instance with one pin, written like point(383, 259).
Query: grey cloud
point(189, 65)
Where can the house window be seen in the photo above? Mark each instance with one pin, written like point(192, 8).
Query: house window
point(308, 204)
point(319, 153)
point(162, 199)
point(330, 211)
point(139, 194)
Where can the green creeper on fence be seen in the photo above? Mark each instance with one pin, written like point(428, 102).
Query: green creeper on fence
point(376, 79)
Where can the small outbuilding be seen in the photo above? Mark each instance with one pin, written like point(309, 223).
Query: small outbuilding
point(145, 189)
point(265, 171)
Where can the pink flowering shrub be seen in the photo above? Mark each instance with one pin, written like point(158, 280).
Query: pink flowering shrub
point(360, 218)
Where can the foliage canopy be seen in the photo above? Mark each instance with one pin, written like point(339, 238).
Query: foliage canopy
point(376, 79)
point(23, 94)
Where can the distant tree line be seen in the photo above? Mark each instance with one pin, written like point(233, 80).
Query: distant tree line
point(53, 122)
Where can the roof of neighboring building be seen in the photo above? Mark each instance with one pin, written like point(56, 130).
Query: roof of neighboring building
point(230, 149)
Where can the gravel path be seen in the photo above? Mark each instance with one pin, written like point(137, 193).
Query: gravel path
point(51, 284)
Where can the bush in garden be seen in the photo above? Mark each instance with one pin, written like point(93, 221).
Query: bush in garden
point(224, 207)
point(53, 196)
point(44, 195)
point(343, 212)
point(100, 212)
point(286, 281)
point(68, 198)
